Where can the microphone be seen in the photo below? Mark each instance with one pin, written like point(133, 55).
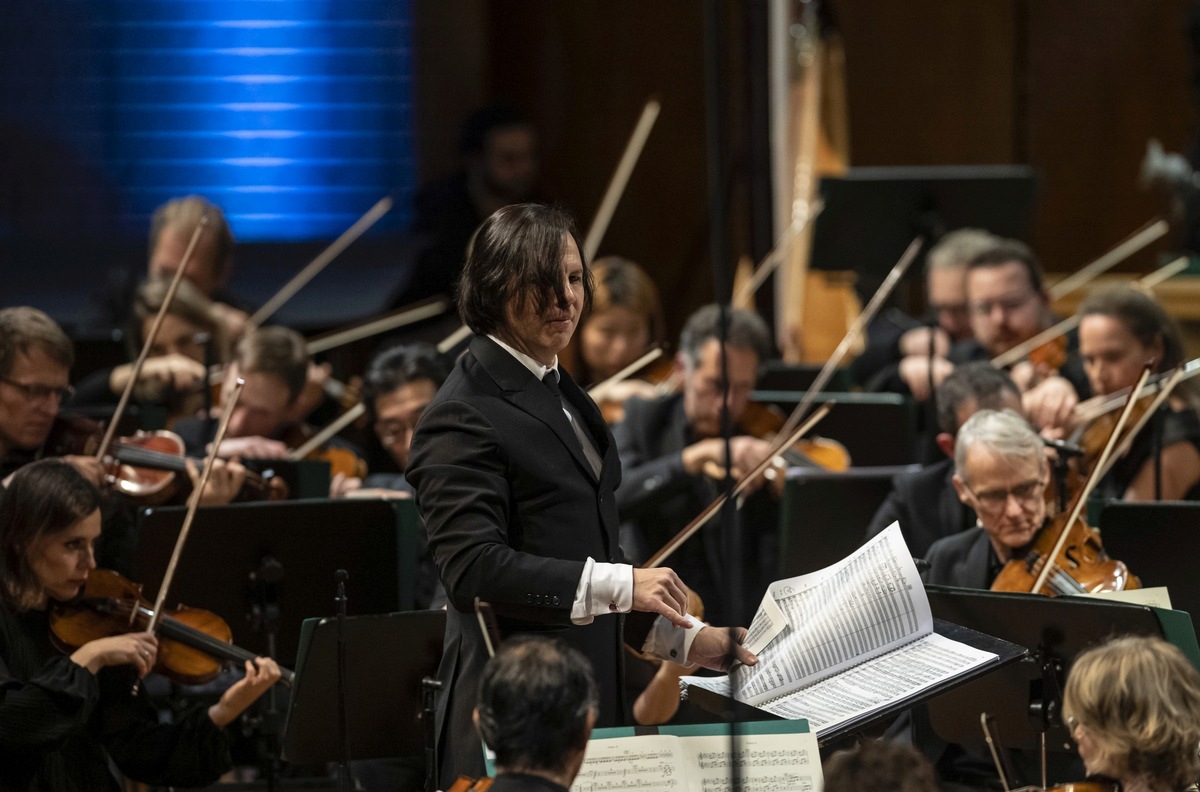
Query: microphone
point(1063, 447)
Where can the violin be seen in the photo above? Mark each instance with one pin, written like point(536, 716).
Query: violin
point(145, 465)
point(1079, 566)
point(341, 460)
point(764, 421)
point(193, 644)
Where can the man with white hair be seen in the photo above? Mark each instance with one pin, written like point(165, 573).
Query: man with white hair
point(1001, 473)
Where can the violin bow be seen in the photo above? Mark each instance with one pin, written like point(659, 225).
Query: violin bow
point(289, 289)
point(1093, 408)
point(852, 335)
point(620, 178)
point(393, 320)
point(775, 255)
point(1071, 322)
point(1151, 231)
point(713, 508)
point(123, 402)
point(1126, 442)
point(320, 438)
point(194, 504)
point(1093, 479)
point(597, 390)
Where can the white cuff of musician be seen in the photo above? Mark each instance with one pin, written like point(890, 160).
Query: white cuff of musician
point(608, 588)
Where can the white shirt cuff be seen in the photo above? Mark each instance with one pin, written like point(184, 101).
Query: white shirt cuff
point(603, 588)
point(672, 643)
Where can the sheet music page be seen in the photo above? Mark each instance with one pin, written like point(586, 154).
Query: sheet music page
point(873, 686)
point(775, 762)
point(864, 606)
point(646, 762)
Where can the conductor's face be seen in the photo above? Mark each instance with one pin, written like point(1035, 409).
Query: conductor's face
point(543, 334)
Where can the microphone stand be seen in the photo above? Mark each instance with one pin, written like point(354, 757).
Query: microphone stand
point(1062, 467)
point(264, 618)
point(343, 775)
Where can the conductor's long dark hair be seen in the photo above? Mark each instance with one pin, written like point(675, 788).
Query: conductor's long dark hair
point(517, 255)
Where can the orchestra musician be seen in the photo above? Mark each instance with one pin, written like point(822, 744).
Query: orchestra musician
point(175, 369)
point(665, 443)
point(1001, 473)
point(537, 705)
point(1008, 304)
point(63, 717)
point(398, 386)
point(515, 472)
point(898, 359)
point(275, 365)
point(625, 322)
point(1121, 330)
point(1133, 707)
point(880, 766)
point(211, 264)
point(925, 502)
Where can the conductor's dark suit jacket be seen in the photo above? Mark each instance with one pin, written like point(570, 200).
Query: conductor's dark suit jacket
point(513, 511)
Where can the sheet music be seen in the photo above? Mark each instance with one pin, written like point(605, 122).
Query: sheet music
point(767, 763)
point(648, 762)
point(873, 686)
point(864, 606)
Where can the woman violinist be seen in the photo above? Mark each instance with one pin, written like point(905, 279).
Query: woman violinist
point(1133, 708)
point(625, 322)
point(1120, 331)
point(62, 717)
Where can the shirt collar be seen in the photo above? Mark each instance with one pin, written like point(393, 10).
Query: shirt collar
point(535, 368)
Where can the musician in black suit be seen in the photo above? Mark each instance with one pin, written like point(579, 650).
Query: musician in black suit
point(537, 706)
point(515, 472)
point(925, 502)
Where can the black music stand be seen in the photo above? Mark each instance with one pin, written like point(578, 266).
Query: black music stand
point(877, 429)
point(302, 542)
point(386, 658)
point(1148, 537)
point(817, 507)
point(897, 204)
point(1027, 698)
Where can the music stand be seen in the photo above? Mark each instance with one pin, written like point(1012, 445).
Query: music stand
point(1026, 696)
point(897, 204)
point(817, 506)
point(1148, 538)
point(374, 540)
point(386, 658)
point(776, 375)
point(877, 429)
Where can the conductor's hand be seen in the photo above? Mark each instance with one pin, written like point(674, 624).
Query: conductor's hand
point(661, 591)
point(712, 647)
point(260, 675)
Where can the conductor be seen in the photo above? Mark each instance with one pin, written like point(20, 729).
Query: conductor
point(515, 470)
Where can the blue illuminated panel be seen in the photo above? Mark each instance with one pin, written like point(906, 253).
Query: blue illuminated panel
point(294, 115)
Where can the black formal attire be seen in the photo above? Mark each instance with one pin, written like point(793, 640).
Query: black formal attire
point(520, 782)
point(515, 513)
point(658, 498)
point(966, 560)
point(926, 506)
point(59, 723)
point(1167, 428)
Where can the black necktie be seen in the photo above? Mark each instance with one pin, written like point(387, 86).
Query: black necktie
point(551, 382)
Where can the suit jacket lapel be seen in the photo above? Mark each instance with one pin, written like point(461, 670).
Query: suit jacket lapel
point(524, 390)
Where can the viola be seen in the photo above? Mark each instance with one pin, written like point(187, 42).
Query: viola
point(193, 644)
point(145, 465)
point(1079, 566)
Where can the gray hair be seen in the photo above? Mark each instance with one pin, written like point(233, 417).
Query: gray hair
point(957, 248)
point(1002, 432)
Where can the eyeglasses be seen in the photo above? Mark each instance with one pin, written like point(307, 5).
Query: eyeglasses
point(1026, 494)
point(40, 393)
